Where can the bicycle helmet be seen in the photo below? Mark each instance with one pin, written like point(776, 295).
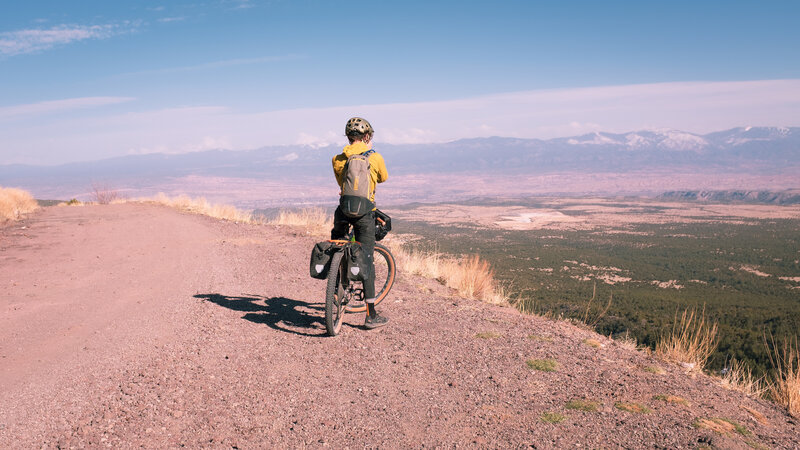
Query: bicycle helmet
point(358, 127)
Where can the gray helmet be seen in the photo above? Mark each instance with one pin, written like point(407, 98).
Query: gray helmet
point(358, 126)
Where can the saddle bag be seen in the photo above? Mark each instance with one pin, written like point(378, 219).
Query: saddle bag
point(358, 267)
point(321, 259)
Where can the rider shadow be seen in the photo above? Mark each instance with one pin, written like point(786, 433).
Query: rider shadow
point(279, 313)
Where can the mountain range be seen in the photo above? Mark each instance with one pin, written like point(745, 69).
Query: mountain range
point(762, 151)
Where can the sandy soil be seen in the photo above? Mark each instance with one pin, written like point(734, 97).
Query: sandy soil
point(137, 326)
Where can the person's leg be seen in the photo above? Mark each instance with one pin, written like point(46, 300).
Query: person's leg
point(365, 234)
point(340, 225)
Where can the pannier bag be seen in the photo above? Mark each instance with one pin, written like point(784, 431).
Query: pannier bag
point(357, 264)
point(321, 259)
point(383, 224)
point(355, 199)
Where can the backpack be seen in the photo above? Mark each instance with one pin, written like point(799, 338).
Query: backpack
point(321, 256)
point(355, 199)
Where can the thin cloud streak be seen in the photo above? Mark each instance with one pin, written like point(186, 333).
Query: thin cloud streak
point(56, 106)
point(698, 107)
point(171, 19)
point(218, 64)
point(36, 40)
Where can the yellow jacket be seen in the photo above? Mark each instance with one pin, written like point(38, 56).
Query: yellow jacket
point(377, 167)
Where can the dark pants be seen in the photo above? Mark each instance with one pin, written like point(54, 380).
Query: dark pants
point(364, 228)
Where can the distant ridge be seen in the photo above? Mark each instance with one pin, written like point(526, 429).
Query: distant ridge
point(757, 148)
point(790, 197)
point(766, 158)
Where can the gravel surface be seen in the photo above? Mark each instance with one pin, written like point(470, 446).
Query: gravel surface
point(138, 326)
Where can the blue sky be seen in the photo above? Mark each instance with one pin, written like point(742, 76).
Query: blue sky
point(83, 80)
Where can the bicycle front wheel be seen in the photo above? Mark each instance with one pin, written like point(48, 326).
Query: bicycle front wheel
point(385, 273)
point(334, 311)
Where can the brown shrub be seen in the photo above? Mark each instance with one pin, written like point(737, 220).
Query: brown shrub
point(103, 194)
point(692, 340)
point(739, 377)
point(15, 202)
point(785, 386)
point(470, 276)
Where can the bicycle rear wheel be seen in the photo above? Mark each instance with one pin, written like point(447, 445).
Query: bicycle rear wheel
point(385, 273)
point(334, 310)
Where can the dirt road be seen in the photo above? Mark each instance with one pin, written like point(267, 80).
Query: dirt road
point(134, 325)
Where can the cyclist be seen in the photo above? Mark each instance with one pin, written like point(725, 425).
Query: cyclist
point(359, 133)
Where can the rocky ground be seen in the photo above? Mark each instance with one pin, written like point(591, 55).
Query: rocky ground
point(135, 325)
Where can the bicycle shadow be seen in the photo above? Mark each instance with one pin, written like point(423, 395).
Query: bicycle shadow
point(279, 313)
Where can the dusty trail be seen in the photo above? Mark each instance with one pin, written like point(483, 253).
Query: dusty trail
point(135, 325)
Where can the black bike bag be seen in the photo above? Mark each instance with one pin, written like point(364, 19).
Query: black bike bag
point(321, 259)
point(383, 224)
point(358, 267)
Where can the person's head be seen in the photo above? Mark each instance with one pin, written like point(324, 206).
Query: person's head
point(358, 129)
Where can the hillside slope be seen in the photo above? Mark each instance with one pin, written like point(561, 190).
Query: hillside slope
point(135, 325)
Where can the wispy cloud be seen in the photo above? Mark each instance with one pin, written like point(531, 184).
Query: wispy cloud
point(698, 107)
point(218, 64)
point(55, 106)
point(241, 4)
point(37, 39)
point(171, 19)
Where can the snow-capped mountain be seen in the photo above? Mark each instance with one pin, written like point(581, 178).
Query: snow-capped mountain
point(752, 150)
point(744, 135)
point(664, 139)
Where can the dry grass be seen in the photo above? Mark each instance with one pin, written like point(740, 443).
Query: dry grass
point(692, 341)
point(487, 335)
point(552, 417)
point(632, 407)
point(202, 206)
point(740, 378)
point(537, 337)
point(627, 342)
point(785, 387)
point(674, 399)
point(104, 195)
point(473, 277)
point(315, 221)
point(15, 202)
point(470, 276)
point(592, 317)
point(594, 343)
point(544, 365)
point(524, 305)
point(721, 425)
point(583, 405)
point(655, 370)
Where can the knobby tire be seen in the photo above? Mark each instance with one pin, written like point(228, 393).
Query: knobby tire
point(383, 281)
point(333, 296)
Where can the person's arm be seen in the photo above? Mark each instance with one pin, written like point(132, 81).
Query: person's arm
point(338, 167)
point(380, 169)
